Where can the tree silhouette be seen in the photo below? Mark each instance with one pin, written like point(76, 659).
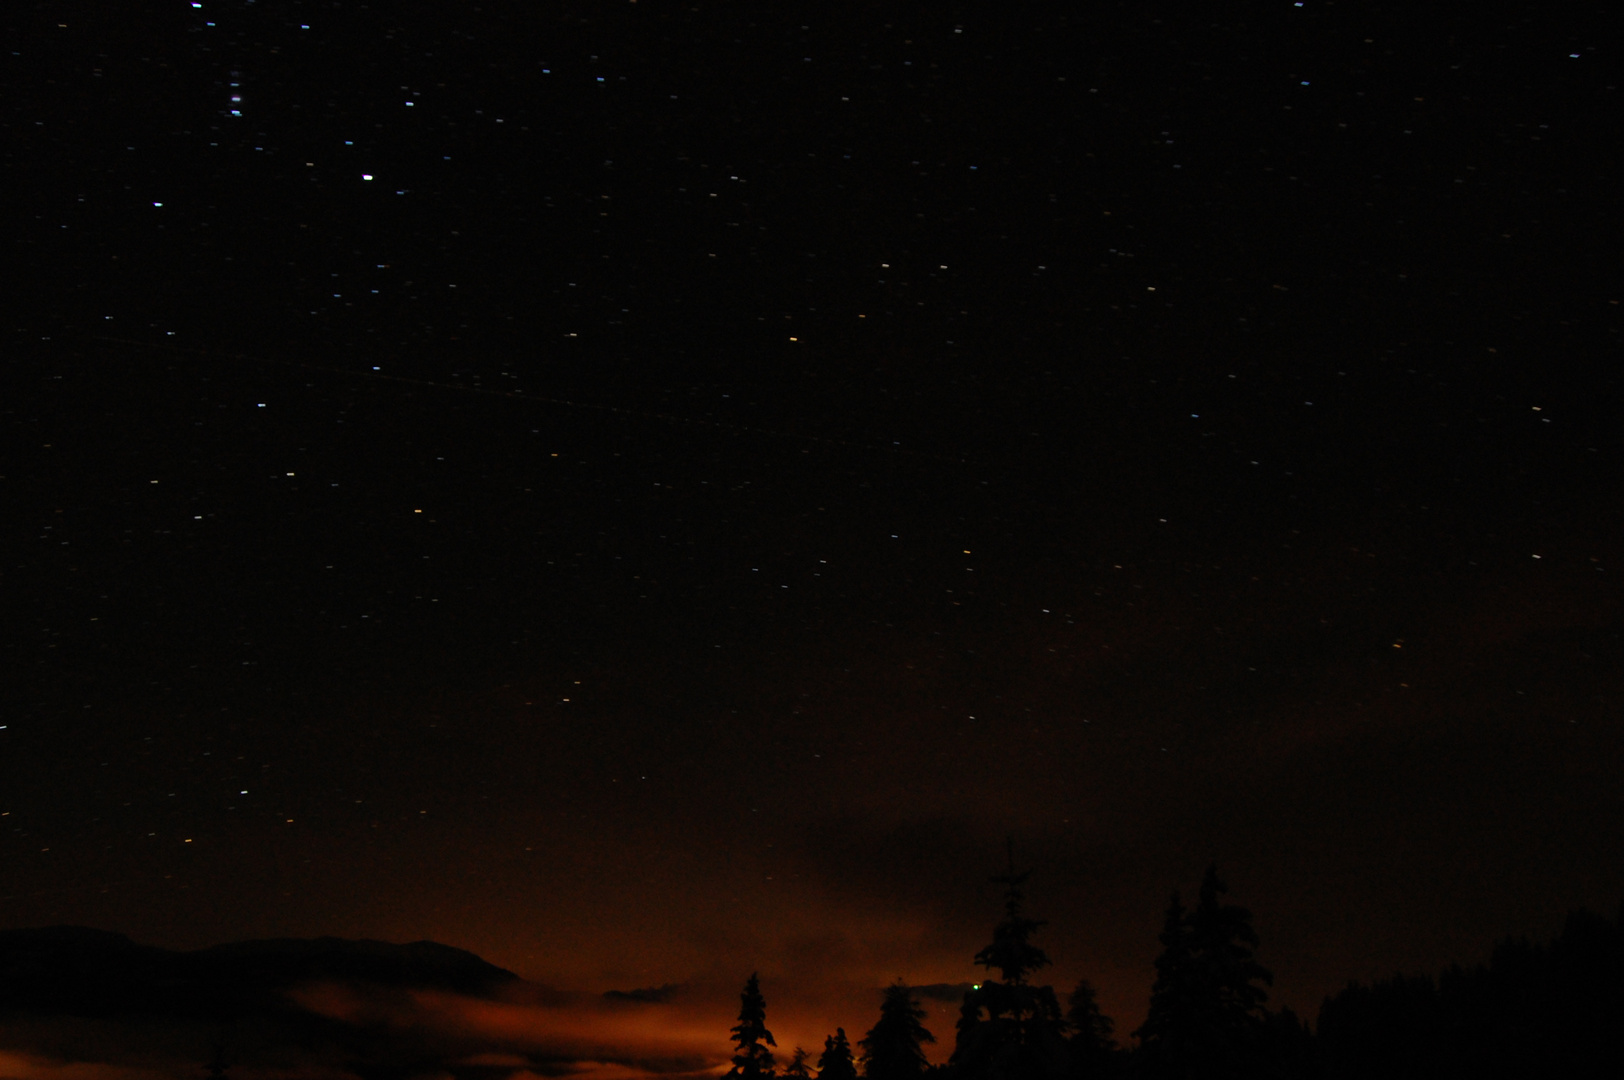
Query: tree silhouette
point(1010, 1028)
point(751, 1058)
point(835, 1062)
point(1011, 953)
point(796, 1069)
point(1288, 1051)
point(1392, 1028)
point(891, 1048)
point(1535, 1010)
point(1170, 996)
point(1093, 1050)
point(1206, 1014)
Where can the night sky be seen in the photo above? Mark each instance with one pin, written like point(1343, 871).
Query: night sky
point(649, 492)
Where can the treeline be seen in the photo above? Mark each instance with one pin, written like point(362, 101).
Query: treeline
point(1534, 1011)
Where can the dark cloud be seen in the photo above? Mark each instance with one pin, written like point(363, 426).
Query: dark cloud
point(648, 995)
point(326, 1007)
point(952, 993)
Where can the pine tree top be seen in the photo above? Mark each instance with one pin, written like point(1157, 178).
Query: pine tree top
point(891, 1049)
point(835, 1063)
point(1205, 976)
point(797, 1067)
point(751, 1059)
point(1011, 953)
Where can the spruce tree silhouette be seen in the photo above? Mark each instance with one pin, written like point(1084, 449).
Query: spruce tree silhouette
point(835, 1062)
point(1010, 1028)
point(751, 1058)
point(1093, 1050)
point(796, 1069)
point(1205, 1015)
point(1168, 1020)
point(891, 1049)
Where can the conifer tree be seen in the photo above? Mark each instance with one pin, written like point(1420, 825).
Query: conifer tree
point(1093, 1050)
point(1205, 1011)
point(835, 1062)
point(1222, 939)
point(796, 1069)
point(1010, 1028)
point(1170, 995)
point(891, 1049)
point(751, 1058)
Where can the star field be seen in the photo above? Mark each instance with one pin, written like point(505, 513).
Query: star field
point(567, 480)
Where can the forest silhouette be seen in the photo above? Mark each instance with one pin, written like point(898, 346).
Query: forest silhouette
point(1533, 1011)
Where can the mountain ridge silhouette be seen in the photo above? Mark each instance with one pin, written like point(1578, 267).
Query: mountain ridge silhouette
point(83, 971)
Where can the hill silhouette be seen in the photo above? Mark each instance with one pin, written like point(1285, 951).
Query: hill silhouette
point(79, 971)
